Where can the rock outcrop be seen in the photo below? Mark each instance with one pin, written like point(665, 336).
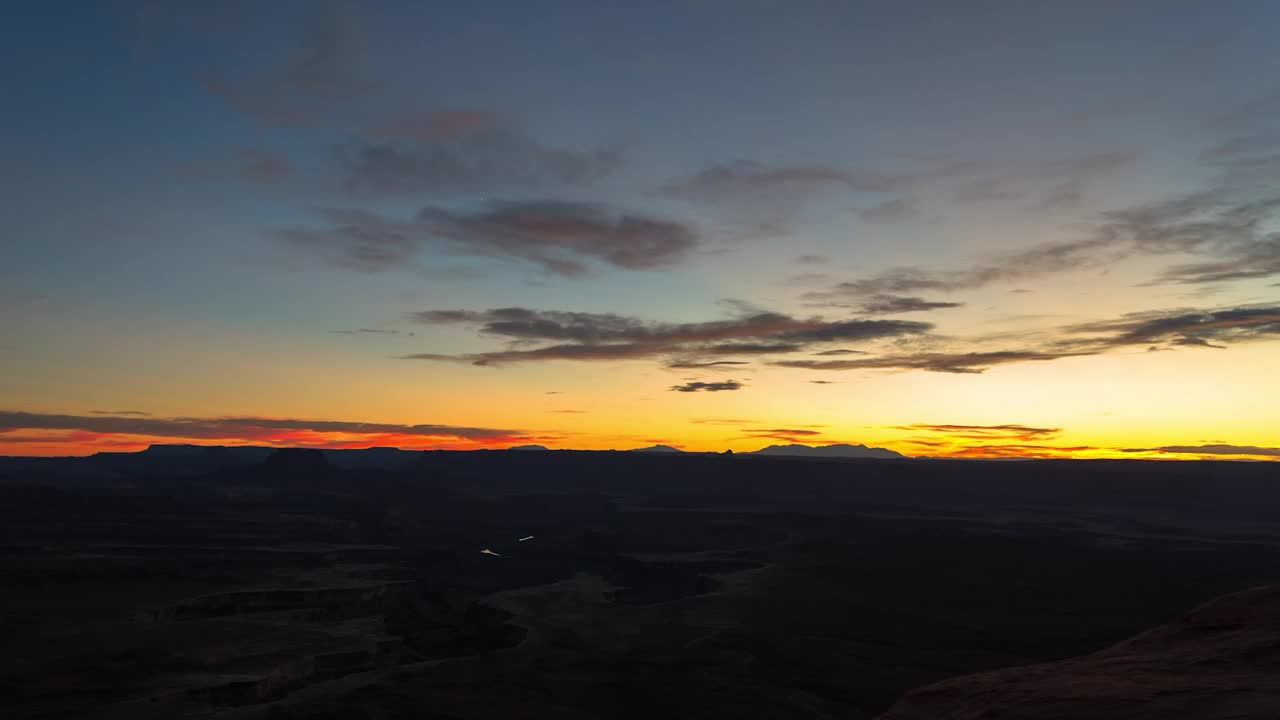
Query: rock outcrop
point(1221, 661)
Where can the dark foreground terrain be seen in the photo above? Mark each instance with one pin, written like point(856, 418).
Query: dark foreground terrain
point(246, 583)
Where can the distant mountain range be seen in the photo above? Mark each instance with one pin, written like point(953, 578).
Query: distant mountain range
point(658, 449)
point(827, 451)
point(820, 451)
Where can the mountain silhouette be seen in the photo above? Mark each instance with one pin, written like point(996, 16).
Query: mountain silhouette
point(827, 451)
point(658, 449)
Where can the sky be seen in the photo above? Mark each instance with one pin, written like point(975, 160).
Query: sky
point(979, 229)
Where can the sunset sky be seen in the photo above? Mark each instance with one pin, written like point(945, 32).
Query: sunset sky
point(995, 229)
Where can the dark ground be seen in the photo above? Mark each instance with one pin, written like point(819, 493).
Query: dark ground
point(232, 584)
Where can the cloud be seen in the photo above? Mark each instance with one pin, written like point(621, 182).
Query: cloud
point(733, 181)
point(960, 363)
point(324, 71)
point(559, 236)
point(276, 431)
point(824, 382)
point(262, 166)
point(1216, 449)
point(1184, 327)
point(1017, 450)
point(365, 331)
point(690, 365)
point(120, 413)
point(893, 304)
point(987, 432)
point(891, 210)
point(1259, 259)
point(707, 386)
point(479, 158)
point(606, 336)
point(1228, 222)
point(763, 199)
point(783, 434)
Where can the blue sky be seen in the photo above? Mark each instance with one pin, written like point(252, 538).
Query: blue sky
point(197, 176)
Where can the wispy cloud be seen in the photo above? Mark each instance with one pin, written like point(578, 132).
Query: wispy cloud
point(274, 431)
point(959, 363)
point(478, 159)
point(559, 236)
point(365, 331)
point(987, 432)
point(698, 386)
point(1229, 222)
point(1214, 449)
point(693, 365)
point(602, 336)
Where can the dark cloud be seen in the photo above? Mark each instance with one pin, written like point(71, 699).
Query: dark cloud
point(1018, 450)
point(987, 432)
point(478, 159)
point(1259, 259)
point(746, 348)
point(1189, 341)
point(560, 237)
point(824, 382)
point(1183, 327)
point(604, 336)
point(1156, 330)
point(1217, 449)
point(734, 181)
point(693, 365)
point(891, 210)
point(1228, 222)
point(708, 386)
point(962, 363)
point(555, 234)
point(783, 431)
point(762, 200)
point(235, 428)
point(839, 351)
point(896, 304)
point(324, 71)
point(262, 166)
point(783, 434)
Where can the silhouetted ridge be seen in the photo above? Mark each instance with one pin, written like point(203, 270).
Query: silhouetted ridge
point(1222, 655)
point(659, 449)
point(527, 447)
point(827, 451)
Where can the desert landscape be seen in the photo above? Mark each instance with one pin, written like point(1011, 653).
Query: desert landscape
point(259, 583)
